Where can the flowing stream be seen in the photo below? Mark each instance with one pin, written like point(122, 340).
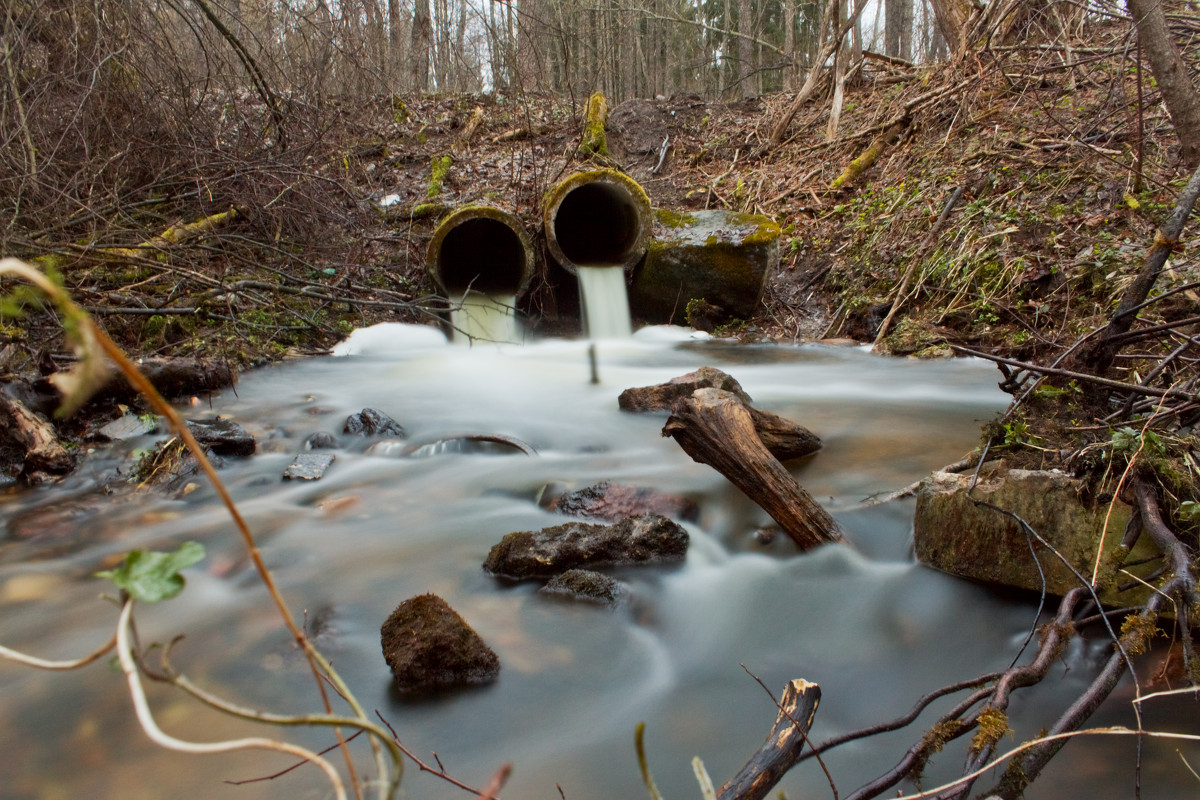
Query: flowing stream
point(871, 627)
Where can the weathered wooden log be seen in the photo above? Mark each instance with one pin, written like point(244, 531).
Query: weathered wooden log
point(782, 437)
point(463, 142)
point(783, 747)
point(172, 377)
point(716, 428)
point(35, 436)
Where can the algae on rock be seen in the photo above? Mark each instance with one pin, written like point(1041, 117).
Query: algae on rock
point(965, 535)
point(721, 257)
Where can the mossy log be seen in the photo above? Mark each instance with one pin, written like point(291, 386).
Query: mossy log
point(417, 211)
point(439, 168)
point(595, 140)
point(868, 156)
point(783, 746)
point(175, 235)
point(463, 142)
point(716, 428)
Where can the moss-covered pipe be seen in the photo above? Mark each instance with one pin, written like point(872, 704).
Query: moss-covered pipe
point(481, 248)
point(600, 218)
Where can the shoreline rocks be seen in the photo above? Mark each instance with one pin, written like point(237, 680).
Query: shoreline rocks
point(954, 533)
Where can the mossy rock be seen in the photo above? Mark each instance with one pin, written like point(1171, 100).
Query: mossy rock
point(648, 539)
point(957, 535)
point(720, 257)
point(429, 646)
point(584, 585)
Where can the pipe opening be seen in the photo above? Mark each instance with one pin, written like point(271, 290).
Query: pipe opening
point(482, 254)
point(598, 224)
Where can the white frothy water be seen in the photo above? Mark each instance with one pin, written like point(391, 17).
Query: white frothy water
point(480, 317)
point(605, 302)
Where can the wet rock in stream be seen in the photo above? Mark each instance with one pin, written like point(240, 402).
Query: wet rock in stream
point(612, 502)
point(223, 436)
point(584, 585)
point(372, 422)
point(958, 529)
point(321, 440)
point(308, 467)
point(647, 539)
point(429, 646)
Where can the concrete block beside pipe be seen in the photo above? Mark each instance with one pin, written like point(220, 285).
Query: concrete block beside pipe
point(482, 249)
point(721, 257)
point(600, 218)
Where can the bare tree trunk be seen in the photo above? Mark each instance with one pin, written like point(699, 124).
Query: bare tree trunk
point(1178, 93)
point(897, 28)
point(395, 32)
point(745, 51)
point(952, 18)
point(420, 44)
point(789, 45)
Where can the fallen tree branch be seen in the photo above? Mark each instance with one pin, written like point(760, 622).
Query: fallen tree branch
point(783, 746)
point(1081, 376)
point(1100, 356)
point(714, 427)
point(868, 156)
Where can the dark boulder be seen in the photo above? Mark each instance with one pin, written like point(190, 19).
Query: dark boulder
point(372, 422)
point(429, 646)
point(584, 585)
point(540, 554)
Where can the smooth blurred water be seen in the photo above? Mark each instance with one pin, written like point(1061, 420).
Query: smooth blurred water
point(871, 627)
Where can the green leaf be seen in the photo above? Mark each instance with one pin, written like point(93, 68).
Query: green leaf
point(150, 576)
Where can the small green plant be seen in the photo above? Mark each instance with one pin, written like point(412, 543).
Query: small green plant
point(152, 577)
point(1127, 440)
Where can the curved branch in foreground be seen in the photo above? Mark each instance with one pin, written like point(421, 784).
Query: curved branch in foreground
point(41, 663)
point(142, 708)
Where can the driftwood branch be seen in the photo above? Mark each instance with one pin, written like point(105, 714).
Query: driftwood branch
point(714, 427)
point(783, 746)
point(35, 437)
point(172, 377)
